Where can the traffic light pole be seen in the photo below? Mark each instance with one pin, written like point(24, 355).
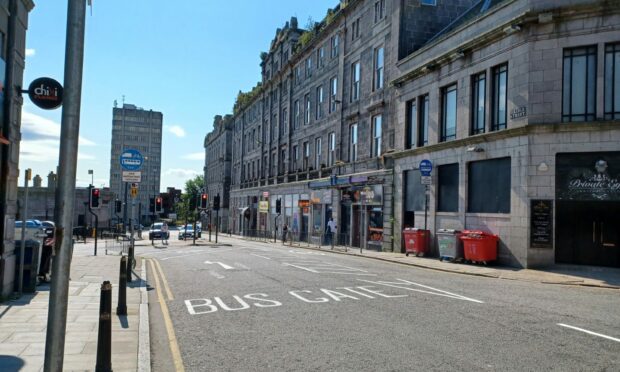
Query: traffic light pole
point(65, 192)
point(90, 210)
point(217, 223)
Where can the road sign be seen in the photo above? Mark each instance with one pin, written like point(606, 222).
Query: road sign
point(134, 192)
point(131, 176)
point(426, 180)
point(131, 160)
point(426, 167)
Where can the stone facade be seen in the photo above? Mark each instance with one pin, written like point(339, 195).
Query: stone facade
point(138, 129)
point(530, 38)
point(13, 25)
point(218, 157)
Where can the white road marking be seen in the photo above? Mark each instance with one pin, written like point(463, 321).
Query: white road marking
point(193, 254)
point(241, 266)
point(438, 292)
point(257, 255)
point(217, 275)
point(345, 273)
point(589, 332)
point(148, 254)
point(224, 266)
point(301, 267)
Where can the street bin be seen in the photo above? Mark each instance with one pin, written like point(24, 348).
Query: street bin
point(32, 256)
point(479, 246)
point(450, 245)
point(416, 241)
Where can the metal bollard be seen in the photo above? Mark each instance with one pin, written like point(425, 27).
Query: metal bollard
point(104, 341)
point(130, 262)
point(121, 308)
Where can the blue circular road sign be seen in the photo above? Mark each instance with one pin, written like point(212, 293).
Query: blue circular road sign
point(131, 160)
point(426, 167)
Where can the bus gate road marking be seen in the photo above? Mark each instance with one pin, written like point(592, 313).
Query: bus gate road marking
point(589, 332)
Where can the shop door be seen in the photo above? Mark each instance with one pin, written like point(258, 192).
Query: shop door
point(588, 233)
point(356, 223)
point(344, 229)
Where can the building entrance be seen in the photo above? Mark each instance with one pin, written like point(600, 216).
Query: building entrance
point(588, 208)
point(588, 233)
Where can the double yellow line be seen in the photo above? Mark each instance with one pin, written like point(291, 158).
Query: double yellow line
point(174, 345)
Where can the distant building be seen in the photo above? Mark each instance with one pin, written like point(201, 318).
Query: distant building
point(169, 200)
point(138, 129)
point(13, 25)
point(41, 204)
point(218, 156)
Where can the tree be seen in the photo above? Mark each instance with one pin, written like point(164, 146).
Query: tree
point(192, 187)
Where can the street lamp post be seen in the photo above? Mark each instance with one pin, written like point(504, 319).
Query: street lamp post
point(92, 177)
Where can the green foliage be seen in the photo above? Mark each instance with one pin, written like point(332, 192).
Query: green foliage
point(245, 98)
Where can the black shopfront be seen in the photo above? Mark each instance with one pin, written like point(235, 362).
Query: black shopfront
point(588, 208)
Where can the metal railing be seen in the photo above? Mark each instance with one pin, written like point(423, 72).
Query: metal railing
point(326, 241)
point(115, 242)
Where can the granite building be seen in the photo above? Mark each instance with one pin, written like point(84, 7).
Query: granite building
point(217, 170)
point(13, 26)
point(138, 129)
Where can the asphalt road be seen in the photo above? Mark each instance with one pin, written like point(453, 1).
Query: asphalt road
point(251, 306)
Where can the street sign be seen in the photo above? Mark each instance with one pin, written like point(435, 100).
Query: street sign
point(426, 180)
point(46, 93)
point(134, 192)
point(131, 176)
point(131, 160)
point(265, 194)
point(426, 167)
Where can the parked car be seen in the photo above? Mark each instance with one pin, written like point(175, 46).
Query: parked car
point(188, 233)
point(156, 233)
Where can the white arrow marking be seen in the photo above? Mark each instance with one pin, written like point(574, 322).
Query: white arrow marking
point(221, 264)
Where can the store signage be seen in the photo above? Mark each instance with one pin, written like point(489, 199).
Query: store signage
point(263, 206)
point(426, 167)
point(265, 194)
point(588, 176)
point(304, 203)
point(132, 176)
point(131, 160)
point(46, 93)
point(541, 223)
point(518, 113)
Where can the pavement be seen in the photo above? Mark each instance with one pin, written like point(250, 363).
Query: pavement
point(23, 321)
point(580, 275)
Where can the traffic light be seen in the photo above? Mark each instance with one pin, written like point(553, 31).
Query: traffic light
point(193, 202)
point(158, 205)
point(94, 198)
point(216, 202)
point(152, 205)
point(204, 201)
point(118, 206)
point(278, 206)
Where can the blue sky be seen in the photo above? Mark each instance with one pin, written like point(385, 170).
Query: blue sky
point(187, 59)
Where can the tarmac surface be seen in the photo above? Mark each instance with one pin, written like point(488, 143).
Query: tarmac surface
point(244, 305)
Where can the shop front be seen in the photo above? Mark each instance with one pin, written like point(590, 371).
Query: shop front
point(588, 208)
point(321, 213)
point(362, 215)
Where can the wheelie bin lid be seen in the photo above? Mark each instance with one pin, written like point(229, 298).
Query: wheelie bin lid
point(477, 234)
point(448, 231)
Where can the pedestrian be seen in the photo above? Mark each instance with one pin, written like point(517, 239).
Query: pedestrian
point(284, 232)
point(164, 233)
point(331, 230)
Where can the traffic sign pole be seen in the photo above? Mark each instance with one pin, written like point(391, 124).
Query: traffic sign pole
point(426, 167)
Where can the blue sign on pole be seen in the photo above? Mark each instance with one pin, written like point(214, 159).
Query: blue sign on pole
point(426, 167)
point(131, 160)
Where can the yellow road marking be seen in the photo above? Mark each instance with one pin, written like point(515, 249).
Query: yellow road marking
point(174, 346)
point(163, 278)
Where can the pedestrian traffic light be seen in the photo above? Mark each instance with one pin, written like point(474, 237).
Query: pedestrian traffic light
point(118, 206)
point(278, 206)
point(158, 205)
point(204, 201)
point(216, 202)
point(94, 198)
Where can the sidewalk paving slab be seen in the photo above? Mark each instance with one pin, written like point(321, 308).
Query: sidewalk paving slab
point(23, 322)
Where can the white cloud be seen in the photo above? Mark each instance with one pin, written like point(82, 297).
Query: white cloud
point(182, 173)
point(195, 156)
point(30, 52)
point(176, 130)
point(41, 139)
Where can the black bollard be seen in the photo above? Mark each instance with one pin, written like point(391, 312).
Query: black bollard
point(104, 341)
point(121, 309)
point(130, 261)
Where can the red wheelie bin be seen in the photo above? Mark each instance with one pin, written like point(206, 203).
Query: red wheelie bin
point(416, 241)
point(479, 246)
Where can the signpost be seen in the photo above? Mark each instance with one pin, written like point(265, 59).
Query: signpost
point(426, 167)
point(131, 161)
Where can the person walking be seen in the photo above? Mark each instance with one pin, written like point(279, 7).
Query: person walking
point(164, 233)
point(331, 230)
point(284, 233)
